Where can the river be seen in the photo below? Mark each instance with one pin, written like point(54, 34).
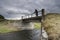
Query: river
point(21, 35)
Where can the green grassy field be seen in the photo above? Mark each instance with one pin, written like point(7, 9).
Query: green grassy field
point(37, 25)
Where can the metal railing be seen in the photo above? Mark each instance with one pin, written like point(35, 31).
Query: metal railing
point(34, 14)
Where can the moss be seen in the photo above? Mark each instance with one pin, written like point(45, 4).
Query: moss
point(37, 25)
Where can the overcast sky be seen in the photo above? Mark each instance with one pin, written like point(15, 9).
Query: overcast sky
point(12, 8)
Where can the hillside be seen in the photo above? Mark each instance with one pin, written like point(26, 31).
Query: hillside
point(52, 26)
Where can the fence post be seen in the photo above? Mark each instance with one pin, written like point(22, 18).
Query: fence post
point(43, 14)
point(43, 18)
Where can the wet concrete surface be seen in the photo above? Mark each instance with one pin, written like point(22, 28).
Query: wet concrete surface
point(21, 35)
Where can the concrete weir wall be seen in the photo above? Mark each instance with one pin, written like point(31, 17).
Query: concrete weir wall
point(22, 25)
point(27, 26)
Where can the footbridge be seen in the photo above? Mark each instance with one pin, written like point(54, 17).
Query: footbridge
point(36, 16)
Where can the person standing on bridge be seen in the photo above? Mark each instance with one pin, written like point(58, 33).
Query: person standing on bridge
point(36, 12)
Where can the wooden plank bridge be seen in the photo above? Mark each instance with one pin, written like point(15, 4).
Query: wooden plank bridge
point(34, 16)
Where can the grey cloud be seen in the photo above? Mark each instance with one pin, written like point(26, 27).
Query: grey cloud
point(26, 6)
